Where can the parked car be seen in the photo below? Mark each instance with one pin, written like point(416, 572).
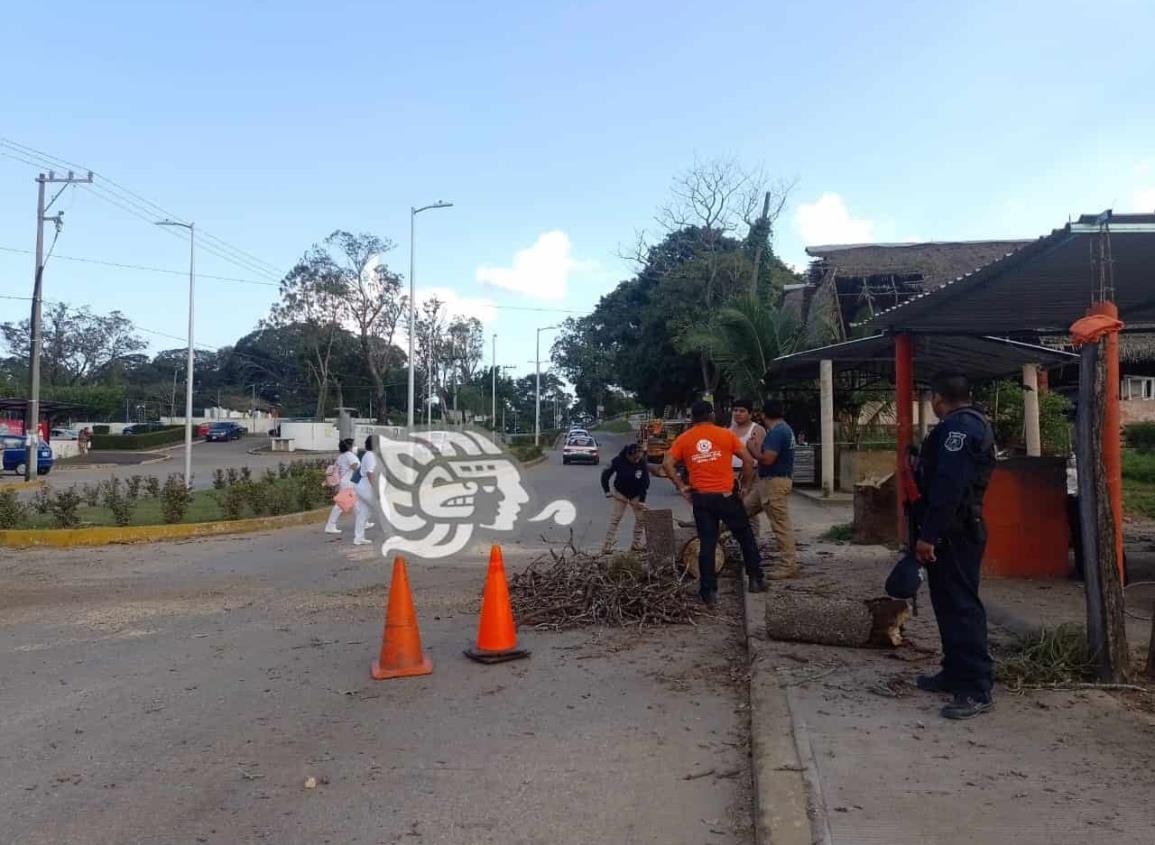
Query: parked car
point(143, 428)
point(13, 454)
point(202, 429)
point(65, 434)
point(225, 431)
point(580, 449)
point(576, 432)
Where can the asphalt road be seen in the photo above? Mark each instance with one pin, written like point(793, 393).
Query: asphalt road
point(185, 692)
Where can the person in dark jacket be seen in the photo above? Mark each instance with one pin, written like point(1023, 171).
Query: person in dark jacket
point(631, 481)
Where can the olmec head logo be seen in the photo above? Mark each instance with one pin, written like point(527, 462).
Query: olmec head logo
point(436, 488)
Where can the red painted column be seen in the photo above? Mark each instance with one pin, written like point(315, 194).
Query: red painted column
point(904, 406)
point(1113, 430)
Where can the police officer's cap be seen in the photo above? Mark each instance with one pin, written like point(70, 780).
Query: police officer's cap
point(905, 579)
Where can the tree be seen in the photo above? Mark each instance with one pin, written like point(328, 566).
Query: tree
point(431, 346)
point(373, 301)
point(743, 338)
point(313, 299)
point(77, 345)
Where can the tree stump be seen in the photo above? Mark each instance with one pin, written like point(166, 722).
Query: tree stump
point(661, 549)
point(810, 618)
point(874, 511)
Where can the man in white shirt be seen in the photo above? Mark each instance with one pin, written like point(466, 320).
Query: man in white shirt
point(747, 431)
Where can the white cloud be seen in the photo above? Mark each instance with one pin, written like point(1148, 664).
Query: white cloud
point(541, 270)
point(1143, 200)
point(828, 221)
point(459, 306)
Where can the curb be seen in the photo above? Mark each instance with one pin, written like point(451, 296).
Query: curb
point(106, 535)
point(538, 460)
point(788, 809)
point(24, 485)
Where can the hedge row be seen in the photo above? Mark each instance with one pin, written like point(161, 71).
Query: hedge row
point(149, 440)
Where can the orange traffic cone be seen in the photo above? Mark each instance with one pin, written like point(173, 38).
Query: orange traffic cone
point(401, 655)
point(496, 635)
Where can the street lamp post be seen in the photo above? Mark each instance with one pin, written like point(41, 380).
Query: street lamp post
point(537, 401)
point(493, 367)
point(188, 391)
point(413, 212)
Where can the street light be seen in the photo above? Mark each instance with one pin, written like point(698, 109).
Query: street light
point(413, 212)
point(537, 371)
point(188, 392)
point(493, 367)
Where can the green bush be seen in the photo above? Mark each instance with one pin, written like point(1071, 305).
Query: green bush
point(91, 494)
point(1138, 466)
point(118, 503)
point(152, 486)
point(150, 440)
point(175, 498)
point(42, 500)
point(219, 482)
point(132, 486)
point(65, 508)
point(232, 501)
point(1140, 436)
point(1003, 401)
point(11, 509)
point(100, 429)
point(258, 496)
point(246, 474)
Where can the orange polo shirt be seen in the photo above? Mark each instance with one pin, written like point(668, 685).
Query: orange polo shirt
point(707, 450)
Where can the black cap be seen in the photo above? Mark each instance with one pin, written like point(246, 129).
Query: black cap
point(905, 579)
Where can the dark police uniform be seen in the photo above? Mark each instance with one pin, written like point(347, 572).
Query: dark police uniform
point(957, 459)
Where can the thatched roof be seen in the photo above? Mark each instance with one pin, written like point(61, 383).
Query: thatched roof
point(1135, 347)
point(934, 264)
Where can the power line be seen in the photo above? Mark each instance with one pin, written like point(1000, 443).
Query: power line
point(144, 268)
point(144, 209)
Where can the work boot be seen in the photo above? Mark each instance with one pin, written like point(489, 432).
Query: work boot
point(710, 598)
point(932, 683)
point(782, 572)
point(967, 706)
point(757, 584)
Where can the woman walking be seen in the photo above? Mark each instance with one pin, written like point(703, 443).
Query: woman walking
point(631, 481)
point(366, 495)
point(342, 472)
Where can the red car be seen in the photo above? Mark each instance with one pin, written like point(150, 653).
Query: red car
point(203, 430)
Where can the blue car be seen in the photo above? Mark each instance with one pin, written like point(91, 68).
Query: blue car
point(15, 453)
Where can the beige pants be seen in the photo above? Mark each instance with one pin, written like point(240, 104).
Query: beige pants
point(617, 508)
point(772, 497)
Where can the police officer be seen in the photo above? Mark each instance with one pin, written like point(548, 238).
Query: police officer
point(954, 470)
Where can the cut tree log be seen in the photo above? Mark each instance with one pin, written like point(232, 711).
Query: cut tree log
point(801, 617)
point(688, 557)
point(874, 511)
point(661, 549)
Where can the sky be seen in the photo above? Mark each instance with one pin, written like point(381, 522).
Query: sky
point(555, 130)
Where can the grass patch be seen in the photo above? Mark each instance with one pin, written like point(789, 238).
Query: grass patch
point(1138, 466)
point(525, 454)
point(615, 426)
point(842, 533)
point(1048, 656)
point(204, 507)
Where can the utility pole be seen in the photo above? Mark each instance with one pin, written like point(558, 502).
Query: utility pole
point(493, 362)
point(413, 212)
point(537, 401)
point(172, 399)
point(32, 412)
point(189, 373)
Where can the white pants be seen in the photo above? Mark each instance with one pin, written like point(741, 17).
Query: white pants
point(362, 511)
point(335, 514)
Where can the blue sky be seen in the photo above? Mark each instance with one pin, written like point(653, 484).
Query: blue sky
point(555, 128)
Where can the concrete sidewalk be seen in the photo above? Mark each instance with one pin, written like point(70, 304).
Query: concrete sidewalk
point(877, 764)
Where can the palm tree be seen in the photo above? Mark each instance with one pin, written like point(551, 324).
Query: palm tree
point(741, 339)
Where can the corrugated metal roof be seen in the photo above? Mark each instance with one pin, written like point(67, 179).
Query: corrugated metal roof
point(1044, 286)
point(979, 357)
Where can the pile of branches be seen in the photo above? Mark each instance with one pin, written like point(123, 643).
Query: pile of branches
point(1049, 656)
point(569, 589)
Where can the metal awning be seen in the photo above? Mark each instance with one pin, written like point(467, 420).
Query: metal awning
point(979, 357)
point(1041, 287)
point(49, 408)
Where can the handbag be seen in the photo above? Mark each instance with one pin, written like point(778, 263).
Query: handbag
point(345, 499)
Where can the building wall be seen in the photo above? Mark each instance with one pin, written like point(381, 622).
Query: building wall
point(1136, 410)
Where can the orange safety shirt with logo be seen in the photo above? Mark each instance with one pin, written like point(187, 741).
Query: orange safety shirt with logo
point(707, 451)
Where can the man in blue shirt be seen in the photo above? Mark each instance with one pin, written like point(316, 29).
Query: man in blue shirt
point(775, 460)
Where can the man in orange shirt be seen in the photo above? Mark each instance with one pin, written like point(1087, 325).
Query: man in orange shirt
point(707, 450)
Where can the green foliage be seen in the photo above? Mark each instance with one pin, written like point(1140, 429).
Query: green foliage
point(175, 498)
point(149, 440)
point(152, 486)
point(742, 338)
point(1003, 401)
point(246, 475)
point(64, 506)
point(525, 454)
point(1140, 436)
point(42, 500)
point(120, 504)
point(615, 426)
point(232, 501)
point(12, 510)
point(90, 493)
point(1048, 656)
point(282, 470)
point(132, 486)
point(1138, 466)
point(231, 476)
point(256, 496)
point(841, 533)
point(101, 429)
point(219, 482)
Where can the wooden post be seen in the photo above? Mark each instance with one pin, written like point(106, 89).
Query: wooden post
point(826, 391)
point(1086, 455)
point(904, 408)
point(1113, 659)
point(1032, 433)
